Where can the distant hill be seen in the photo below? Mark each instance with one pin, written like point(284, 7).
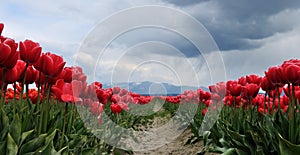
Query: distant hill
point(153, 88)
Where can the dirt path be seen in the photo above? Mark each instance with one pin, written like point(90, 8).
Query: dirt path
point(176, 147)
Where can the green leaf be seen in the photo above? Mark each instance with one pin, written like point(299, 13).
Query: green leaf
point(5, 125)
point(12, 147)
point(3, 147)
point(88, 151)
point(48, 141)
point(25, 135)
point(218, 149)
point(241, 152)
point(230, 151)
point(15, 129)
point(76, 140)
point(287, 148)
point(33, 145)
point(205, 137)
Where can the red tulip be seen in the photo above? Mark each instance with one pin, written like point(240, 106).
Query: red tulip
point(116, 90)
point(266, 85)
point(50, 64)
point(11, 60)
point(115, 98)
point(1, 28)
point(96, 108)
point(4, 52)
point(123, 92)
point(234, 88)
point(12, 75)
point(253, 79)
point(144, 99)
point(292, 73)
point(33, 96)
point(67, 92)
point(204, 95)
point(30, 51)
point(219, 88)
point(73, 73)
point(242, 81)
point(275, 75)
point(250, 90)
point(115, 108)
point(31, 75)
point(57, 89)
point(274, 92)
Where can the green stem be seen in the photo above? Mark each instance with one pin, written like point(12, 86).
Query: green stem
point(15, 95)
point(64, 126)
point(42, 111)
point(39, 88)
point(293, 118)
point(2, 88)
point(70, 122)
point(251, 110)
point(265, 100)
point(46, 112)
point(23, 83)
point(279, 107)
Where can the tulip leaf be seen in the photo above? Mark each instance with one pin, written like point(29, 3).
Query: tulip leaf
point(12, 147)
point(230, 151)
point(3, 147)
point(48, 141)
point(88, 151)
point(76, 140)
point(287, 148)
point(25, 135)
point(15, 129)
point(5, 125)
point(33, 145)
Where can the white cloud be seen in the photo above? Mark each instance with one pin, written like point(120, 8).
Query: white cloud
point(61, 26)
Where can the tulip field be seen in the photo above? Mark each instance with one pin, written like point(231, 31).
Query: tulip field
point(47, 107)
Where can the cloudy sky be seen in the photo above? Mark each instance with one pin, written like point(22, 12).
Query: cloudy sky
point(251, 36)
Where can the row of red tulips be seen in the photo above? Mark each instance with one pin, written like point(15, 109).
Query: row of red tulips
point(25, 63)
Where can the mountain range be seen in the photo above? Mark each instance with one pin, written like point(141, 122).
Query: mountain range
point(153, 88)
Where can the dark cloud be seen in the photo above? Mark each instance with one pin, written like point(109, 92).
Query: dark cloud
point(185, 2)
point(237, 22)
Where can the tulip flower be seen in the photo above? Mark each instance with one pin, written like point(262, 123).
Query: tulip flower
point(275, 75)
point(31, 75)
point(253, 79)
point(96, 108)
point(5, 51)
point(116, 108)
point(67, 92)
point(292, 73)
point(275, 92)
point(1, 28)
point(30, 51)
point(12, 75)
point(219, 88)
point(73, 73)
point(11, 60)
point(250, 90)
point(116, 90)
point(234, 88)
point(266, 85)
point(242, 81)
point(144, 99)
point(50, 64)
